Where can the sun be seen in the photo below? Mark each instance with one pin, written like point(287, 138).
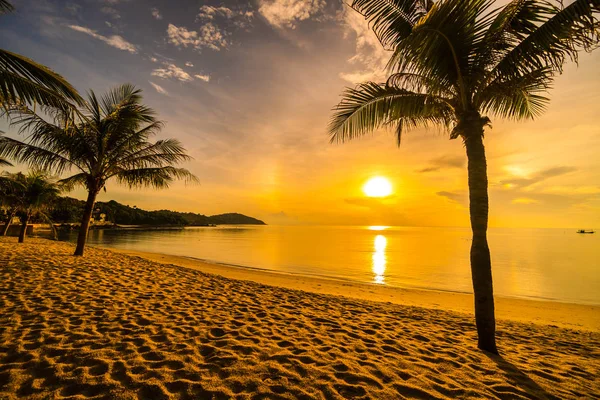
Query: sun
point(378, 186)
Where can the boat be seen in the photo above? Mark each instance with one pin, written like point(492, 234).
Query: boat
point(584, 231)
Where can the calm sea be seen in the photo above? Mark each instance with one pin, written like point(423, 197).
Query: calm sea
point(549, 264)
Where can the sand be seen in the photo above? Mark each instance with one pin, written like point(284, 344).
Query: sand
point(116, 326)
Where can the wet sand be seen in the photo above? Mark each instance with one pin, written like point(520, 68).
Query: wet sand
point(112, 325)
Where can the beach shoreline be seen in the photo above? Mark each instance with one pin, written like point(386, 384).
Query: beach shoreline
point(542, 312)
point(111, 325)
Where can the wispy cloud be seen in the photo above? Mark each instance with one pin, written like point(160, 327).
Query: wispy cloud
point(159, 88)
point(287, 13)
point(110, 11)
point(538, 177)
point(208, 36)
point(460, 198)
point(156, 13)
point(370, 57)
point(241, 18)
point(114, 40)
point(209, 12)
point(444, 162)
point(172, 71)
point(189, 64)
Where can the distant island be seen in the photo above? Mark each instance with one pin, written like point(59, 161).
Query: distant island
point(67, 210)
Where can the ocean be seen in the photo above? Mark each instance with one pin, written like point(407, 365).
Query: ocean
point(542, 264)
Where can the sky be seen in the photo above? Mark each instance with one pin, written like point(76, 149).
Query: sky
point(248, 88)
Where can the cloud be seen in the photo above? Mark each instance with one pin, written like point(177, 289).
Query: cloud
point(159, 88)
point(444, 162)
point(114, 40)
point(538, 177)
point(205, 78)
point(287, 13)
point(370, 57)
point(189, 64)
point(241, 18)
point(172, 71)
point(209, 12)
point(460, 198)
point(156, 13)
point(208, 36)
point(113, 13)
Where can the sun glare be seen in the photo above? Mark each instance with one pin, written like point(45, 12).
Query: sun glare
point(377, 186)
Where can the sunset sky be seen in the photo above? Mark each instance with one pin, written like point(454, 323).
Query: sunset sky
point(248, 88)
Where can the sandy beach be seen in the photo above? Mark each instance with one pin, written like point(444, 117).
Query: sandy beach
point(119, 326)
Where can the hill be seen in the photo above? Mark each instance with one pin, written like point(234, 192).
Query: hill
point(69, 210)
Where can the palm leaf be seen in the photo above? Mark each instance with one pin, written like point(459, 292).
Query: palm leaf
point(370, 106)
point(22, 80)
point(5, 163)
point(6, 7)
point(520, 97)
point(391, 20)
point(562, 35)
point(159, 178)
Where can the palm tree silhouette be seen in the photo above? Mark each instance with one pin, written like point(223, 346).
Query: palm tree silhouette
point(110, 141)
point(31, 195)
point(23, 81)
point(453, 62)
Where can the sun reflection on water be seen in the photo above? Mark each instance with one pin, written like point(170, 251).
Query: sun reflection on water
point(379, 259)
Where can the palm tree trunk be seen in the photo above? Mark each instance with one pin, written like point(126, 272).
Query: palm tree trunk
point(23, 231)
point(481, 265)
point(7, 224)
point(85, 222)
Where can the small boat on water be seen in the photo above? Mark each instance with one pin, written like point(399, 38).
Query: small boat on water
point(584, 231)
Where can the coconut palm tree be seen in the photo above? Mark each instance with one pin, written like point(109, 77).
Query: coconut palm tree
point(453, 63)
point(23, 81)
point(8, 199)
point(110, 141)
point(30, 195)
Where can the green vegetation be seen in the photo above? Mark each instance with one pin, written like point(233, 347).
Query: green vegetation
point(69, 210)
point(109, 140)
point(453, 63)
point(28, 196)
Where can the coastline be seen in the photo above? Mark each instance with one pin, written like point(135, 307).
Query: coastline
point(540, 312)
point(115, 326)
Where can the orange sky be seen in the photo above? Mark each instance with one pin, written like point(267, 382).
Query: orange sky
point(255, 108)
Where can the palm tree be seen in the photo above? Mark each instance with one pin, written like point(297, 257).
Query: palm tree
point(32, 195)
point(23, 81)
point(8, 199)
point(110, 141)
point(453, 62)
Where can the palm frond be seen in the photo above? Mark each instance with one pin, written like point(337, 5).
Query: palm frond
point(6, 7)
point(391, 20)
point(563, 33)
point(34, 156)
point(22, 80)
point(439, 47)
point(159, 178)
point(520, 97)
point(68, 184)
point(5, 163)
point(370, 106)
